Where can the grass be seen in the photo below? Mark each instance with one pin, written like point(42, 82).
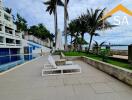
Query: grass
point(96, 57)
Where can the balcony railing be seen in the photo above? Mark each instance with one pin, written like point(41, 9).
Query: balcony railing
point(10, 44)
point(9, 34)
point(18, 44)
point(1, 43)
point(18, 34)
point(1, 32)
point(36, 40)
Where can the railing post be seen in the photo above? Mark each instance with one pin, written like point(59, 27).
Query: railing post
point(130, 53)
point(10, 54)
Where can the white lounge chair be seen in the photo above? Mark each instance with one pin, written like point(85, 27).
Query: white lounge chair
point(63, 62)
point(53, 69)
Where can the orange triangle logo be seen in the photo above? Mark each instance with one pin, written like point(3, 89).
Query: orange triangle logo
point(120, 7)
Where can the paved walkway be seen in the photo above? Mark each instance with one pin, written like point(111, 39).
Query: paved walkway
point(120, 57)
point(26, 83)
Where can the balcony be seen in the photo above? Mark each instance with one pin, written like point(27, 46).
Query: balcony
point(8, 31)
point(10, 42)
point(1, 29)
point(18, 43)
point(2, 44)
point(1, 39)
point(17, 34)
point(7, 17)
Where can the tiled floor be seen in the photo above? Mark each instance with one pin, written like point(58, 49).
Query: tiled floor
point(26, 83)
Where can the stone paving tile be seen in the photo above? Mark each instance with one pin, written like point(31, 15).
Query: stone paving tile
point(110, 78)
point(50, 93)
point(54, 83)
point(65, 92)
point(119, 87)
point(71, 81)
point(86, 80)
point(50, 77)
point(100, 79)
point(83, 89)
point(84, 92)
point(101, 88)
point(124, 96)
point(106, 96)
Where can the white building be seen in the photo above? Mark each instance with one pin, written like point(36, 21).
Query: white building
point(10, 38)
point(13, 48)
point(34, 39)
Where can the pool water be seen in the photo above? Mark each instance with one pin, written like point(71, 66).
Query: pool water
point(9, 65)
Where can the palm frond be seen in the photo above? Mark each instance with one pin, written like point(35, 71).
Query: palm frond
point(96, 34)
point(100, 16)
point(60, 3)
point(96, 43)
point(102, 43)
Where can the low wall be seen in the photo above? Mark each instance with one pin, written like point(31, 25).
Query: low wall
point(120, 73)
point(69, 58)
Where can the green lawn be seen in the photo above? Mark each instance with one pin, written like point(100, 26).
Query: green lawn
point(110, 61)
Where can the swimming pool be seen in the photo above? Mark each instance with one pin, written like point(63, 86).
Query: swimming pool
point(13, 63)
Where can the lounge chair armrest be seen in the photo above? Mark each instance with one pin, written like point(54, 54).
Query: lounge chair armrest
point(60, 62)
point(47, 66)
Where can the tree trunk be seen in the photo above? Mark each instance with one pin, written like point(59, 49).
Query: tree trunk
point(56, 24)
point(76, 42)
point(82, 41)
point(71, 40)
point(65, 24)
point(76, 45)
point(90, 43)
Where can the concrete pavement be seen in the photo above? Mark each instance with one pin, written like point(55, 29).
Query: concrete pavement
point(26, 83)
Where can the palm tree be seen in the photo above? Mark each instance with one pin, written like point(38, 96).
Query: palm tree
point(71, 30)
point(40, 31)
point(78, 25)
point(78, 42)
point(98, 46)
point(65, 21)
point(82, 27)
point(74, 31)
point(21, 23)
point(95, 22)
point(52, 9)
point(8, 10)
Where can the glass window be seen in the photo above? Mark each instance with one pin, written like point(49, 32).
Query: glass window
point(7, 17)
point(1, 39)
point(0, 28)
point(0, 13)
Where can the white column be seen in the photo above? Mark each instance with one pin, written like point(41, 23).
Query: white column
point(1, 4)
point(22, 53)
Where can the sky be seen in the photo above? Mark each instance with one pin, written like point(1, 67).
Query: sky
point(34, 12)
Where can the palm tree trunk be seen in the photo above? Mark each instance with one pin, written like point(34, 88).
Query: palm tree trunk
point(71, 39)
point(82, 40)
point(71, 42)
point(76, 45)
point(56, 23)
point(65, 24)
point(90, 43)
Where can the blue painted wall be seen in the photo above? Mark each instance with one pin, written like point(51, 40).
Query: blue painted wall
point(28, 53)
point(5, 55)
